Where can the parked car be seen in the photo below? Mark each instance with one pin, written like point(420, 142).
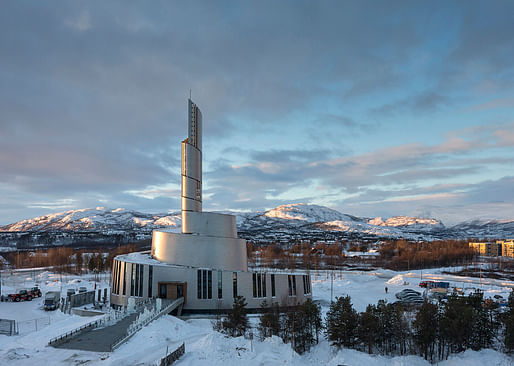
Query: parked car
point(70, 291)
point(402, 293)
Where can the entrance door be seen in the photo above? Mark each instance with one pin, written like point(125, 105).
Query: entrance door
point(162, 290)
point(180, 291)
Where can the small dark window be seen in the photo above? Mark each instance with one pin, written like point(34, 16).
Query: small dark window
point(209, 281)
point(124, 279)
point(264, 285)
point(234, 284)
point(150, 279)
point(273, 285)
point(259, 285)
point(254, 281)
point(220, 284)
point(199, 283)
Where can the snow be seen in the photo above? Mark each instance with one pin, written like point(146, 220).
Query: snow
point(396, 280)
point(305, 212)
point(204, 346)
point(280, 222)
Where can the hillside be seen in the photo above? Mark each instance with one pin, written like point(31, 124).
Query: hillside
point(283, 223)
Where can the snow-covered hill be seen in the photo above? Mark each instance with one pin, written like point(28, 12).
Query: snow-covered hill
point(283, 223)
point(487, 228)
point(306, 213)
point(96, 219)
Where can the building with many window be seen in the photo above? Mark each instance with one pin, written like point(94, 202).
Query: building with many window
point(206, 263)
point(499, 248)
point(507, 247)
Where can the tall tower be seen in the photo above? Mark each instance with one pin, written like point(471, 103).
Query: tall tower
point(192, 164)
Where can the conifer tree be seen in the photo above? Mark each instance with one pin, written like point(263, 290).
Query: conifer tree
point(269, 324)
point(508, 321)
point(368, 325)
point(341, 323)
point(426, 328)
point(236, 322)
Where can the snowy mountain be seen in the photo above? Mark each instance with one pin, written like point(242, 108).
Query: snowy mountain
point(306, 213)
point(96, 219)
point(487, 228)
point(284, 223)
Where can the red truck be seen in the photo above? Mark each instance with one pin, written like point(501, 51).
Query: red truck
point(25, 295)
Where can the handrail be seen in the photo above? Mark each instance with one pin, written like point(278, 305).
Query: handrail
point(93, 324)
point(135, 327)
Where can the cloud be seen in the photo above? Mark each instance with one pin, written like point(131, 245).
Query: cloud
point(92, 99)
point(425, 102)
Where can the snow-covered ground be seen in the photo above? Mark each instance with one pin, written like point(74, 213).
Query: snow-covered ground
point(207, 347)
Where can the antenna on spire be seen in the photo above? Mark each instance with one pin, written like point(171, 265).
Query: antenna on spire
point(189, 93)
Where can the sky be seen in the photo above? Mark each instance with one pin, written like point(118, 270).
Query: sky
point(372, 108)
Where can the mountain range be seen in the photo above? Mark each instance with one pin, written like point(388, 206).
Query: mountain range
point(283, 223)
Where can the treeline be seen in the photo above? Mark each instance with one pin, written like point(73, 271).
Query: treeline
point(69, 260)
point(434, 331)
point(401, 255)
point(394, 254)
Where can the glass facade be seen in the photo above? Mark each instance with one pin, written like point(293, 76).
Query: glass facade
point(259, 284)
point(204, 284)
point(291, 280)
point(306, 284)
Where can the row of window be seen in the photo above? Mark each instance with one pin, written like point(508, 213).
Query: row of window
point(306, 284)
point(136, 279)
point(204, 284)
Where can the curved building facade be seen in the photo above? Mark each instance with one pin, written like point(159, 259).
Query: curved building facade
point(206, 263)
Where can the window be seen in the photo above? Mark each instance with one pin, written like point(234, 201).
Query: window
point(291, 279)
point(150, 279)
point(220, 284)
point(132, 279)
point(294, 285)
point(254, 277)
point(259, 285)
point(273, 285)
point(199, 284)
point(209, 286)
point(306, 284)
point(124, 278)
point(114, 277)
point(263, 277)
point(234, 284)
point(204, 284)
point(141, 273)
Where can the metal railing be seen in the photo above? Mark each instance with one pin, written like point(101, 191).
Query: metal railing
point(112, 315)
point(137, 324)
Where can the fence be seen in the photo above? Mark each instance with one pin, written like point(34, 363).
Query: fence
point(32, 325)
point(8, 327)
point(173, 356)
